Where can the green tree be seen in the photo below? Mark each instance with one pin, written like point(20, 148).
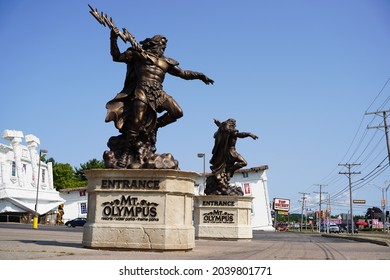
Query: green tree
point(373, 213)
point(64, 176)
point(91, 164)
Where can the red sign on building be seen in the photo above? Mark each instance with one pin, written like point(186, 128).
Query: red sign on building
point(247, 188)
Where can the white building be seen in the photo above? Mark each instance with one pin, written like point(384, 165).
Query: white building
point(253, 182)
point(19, 166)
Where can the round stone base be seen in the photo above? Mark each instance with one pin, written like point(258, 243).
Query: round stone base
point(139, 209)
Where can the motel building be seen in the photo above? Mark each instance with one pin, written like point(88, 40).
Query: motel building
point(19, 187)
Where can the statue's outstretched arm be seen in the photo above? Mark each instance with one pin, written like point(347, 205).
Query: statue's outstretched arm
point(189, 75)
point(246, 134)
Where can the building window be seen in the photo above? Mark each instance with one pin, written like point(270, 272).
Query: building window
point(83, 208)
point(82, 193)
point(43, 175)
point(13, 169)
point(245, 174)
point(24, 168)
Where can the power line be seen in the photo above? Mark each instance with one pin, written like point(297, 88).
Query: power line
point(384, 86)
point(385, 126)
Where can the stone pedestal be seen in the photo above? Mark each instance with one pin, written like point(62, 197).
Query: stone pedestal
point(223, 217)
point(143, 209)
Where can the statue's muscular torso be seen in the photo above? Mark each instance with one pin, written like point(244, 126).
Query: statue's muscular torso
point(153, 70)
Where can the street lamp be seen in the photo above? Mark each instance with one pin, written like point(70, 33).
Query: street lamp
point(35, 219)
point(202, 155)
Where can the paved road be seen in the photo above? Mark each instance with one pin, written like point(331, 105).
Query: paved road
point(21, 242)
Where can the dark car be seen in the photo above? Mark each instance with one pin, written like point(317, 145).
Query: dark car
point(78, 222)
point(349, 229)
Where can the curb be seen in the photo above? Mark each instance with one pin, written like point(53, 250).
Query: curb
point(360, 239)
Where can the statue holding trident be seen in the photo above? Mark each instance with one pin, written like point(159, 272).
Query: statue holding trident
point(135, 109)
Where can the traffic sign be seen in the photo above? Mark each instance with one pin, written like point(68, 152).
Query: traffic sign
point(359, 201)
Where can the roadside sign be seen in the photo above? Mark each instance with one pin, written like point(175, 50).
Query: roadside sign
point(281, 204)
point(359, 201)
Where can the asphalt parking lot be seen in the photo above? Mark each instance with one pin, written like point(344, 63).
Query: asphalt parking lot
point(21, 242)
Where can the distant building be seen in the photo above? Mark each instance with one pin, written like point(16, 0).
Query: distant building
point(253, 182)
point(19, 166)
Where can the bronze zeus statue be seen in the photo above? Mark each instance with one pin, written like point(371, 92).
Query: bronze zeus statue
point(135, 109)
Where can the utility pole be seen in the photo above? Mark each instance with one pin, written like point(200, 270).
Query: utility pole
point(349, 173)
point(319, 216)
point(328, 212)
point(386, 208)
point(385, 126)
point(303, 206)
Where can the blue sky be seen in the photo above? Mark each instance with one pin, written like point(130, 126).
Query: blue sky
point(299, 74)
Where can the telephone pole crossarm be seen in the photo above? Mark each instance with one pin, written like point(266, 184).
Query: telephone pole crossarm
point(385, 126)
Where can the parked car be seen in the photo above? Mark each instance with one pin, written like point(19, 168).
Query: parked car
point(349, 229)
point(334, 229)
point(78, 222)
point(282, 226)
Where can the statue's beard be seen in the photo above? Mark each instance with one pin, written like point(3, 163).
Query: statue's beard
point(157, 50)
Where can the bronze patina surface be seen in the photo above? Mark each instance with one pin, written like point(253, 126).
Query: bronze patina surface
point(142, 106)
point(225, 159)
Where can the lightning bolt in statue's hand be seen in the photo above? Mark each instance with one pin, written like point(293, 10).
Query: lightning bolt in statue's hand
point(126, 36)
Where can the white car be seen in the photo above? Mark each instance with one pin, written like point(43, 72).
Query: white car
point(334, 229)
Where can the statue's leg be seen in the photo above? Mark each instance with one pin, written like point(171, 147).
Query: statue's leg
point(135, 116)
point(240, 162)
point(173, 112)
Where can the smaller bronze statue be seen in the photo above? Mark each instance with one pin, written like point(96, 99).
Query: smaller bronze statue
point(225, 159)
point(60, 214)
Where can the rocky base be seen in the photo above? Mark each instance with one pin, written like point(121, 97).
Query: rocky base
point(215, 186)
